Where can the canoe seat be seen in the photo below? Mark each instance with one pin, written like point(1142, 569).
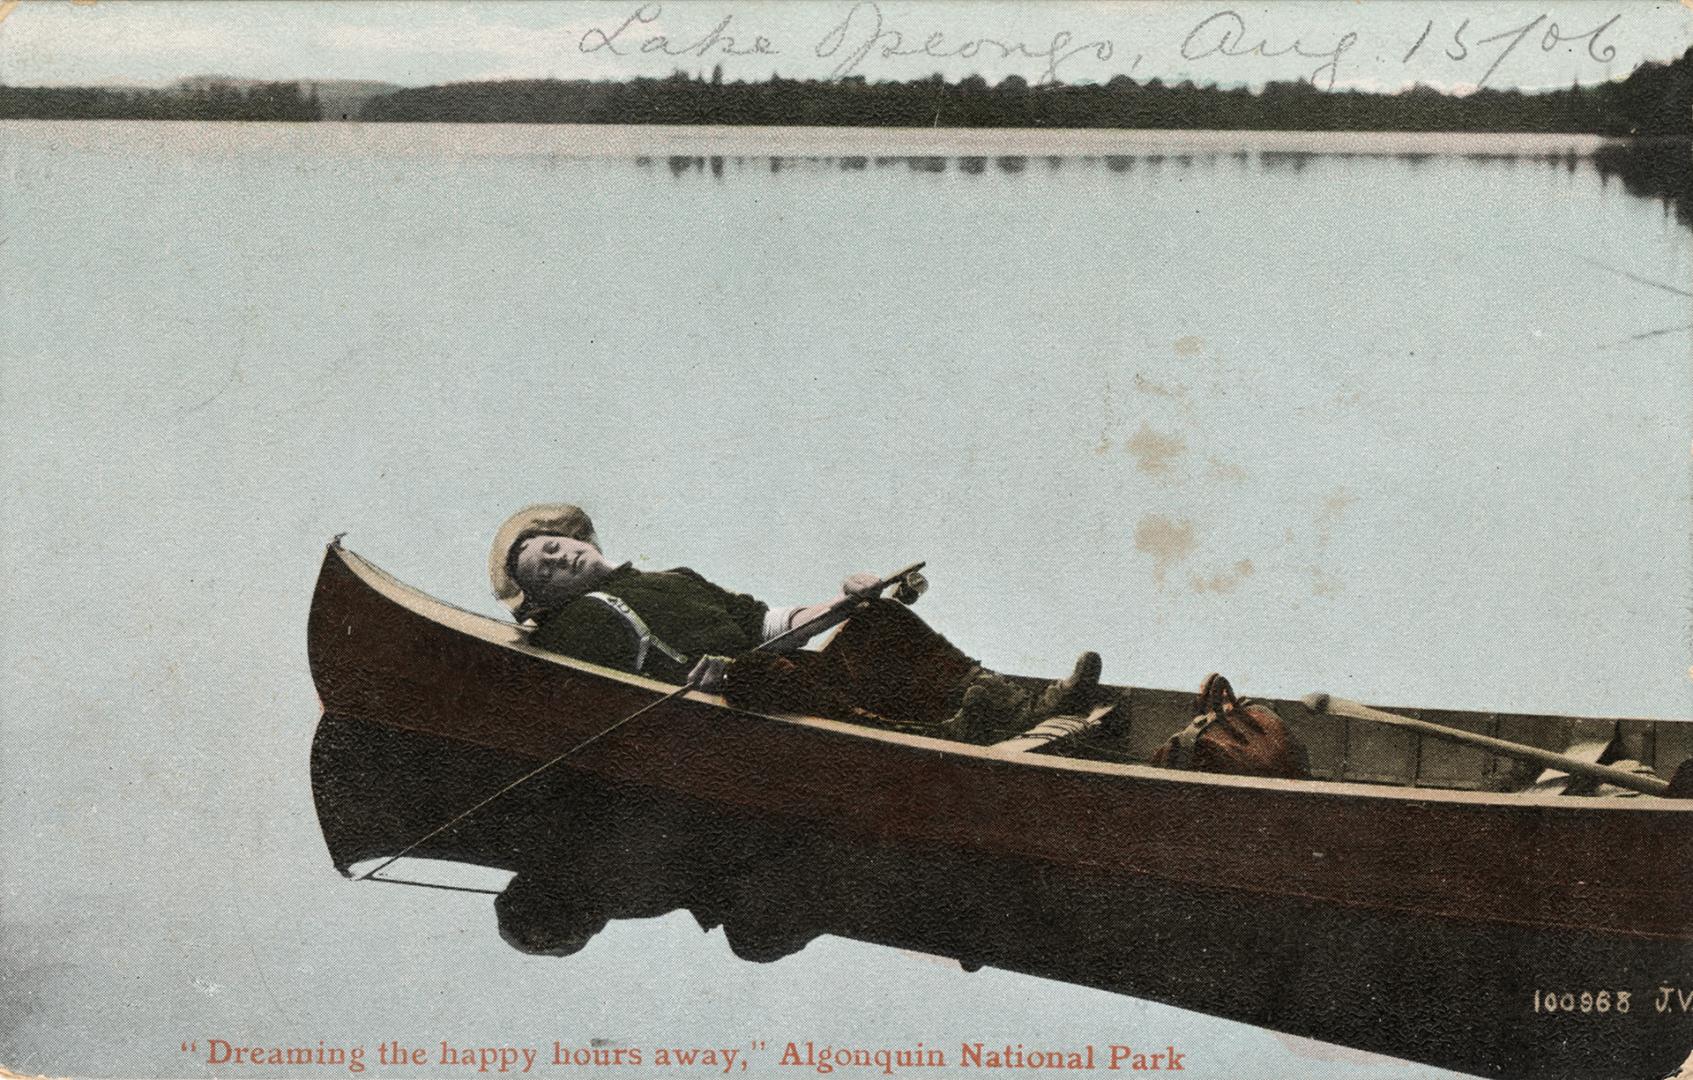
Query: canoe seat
point(1055, 729)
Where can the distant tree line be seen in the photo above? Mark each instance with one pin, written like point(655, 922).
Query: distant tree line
point(1657, 99)
point(201, 101)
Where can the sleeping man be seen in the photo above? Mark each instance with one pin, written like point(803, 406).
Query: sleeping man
point(884, 666)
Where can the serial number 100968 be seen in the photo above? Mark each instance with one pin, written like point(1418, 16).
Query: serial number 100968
point(1580, 1001)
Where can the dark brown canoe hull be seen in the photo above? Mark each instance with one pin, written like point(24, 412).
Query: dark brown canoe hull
point(387, 655)
point(1446, 993)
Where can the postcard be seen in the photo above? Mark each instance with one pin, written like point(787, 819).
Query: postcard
point(846, 539)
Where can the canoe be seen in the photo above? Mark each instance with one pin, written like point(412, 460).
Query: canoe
point(1394, 874)
point(1437, 846)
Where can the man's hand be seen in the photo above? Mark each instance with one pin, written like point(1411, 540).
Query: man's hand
point(856, 587)
point(861, 585)
point(710, 674)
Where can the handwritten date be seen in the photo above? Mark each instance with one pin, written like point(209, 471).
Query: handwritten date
point(1551, 37)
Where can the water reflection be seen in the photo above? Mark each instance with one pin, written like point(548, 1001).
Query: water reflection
point(1650, 170)
point(1653, 170)
point(1291, 160)
point(585, 853)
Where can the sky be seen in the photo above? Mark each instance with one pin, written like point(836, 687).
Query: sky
point(1367, 44)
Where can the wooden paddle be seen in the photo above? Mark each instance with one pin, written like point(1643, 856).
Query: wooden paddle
point(1646, 785)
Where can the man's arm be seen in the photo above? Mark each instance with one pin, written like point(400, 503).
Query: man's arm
point(709, 673)
point(860, 584)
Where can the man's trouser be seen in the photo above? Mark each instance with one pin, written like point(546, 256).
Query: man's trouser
point(884, 660)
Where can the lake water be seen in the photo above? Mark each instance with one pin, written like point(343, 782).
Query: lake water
point(1395, 422)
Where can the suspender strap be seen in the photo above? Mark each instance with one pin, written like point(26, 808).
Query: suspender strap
point(645, 639)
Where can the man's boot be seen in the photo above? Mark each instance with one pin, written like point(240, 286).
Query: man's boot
point(1076, 694)
point(991, 706)
point(995, 708)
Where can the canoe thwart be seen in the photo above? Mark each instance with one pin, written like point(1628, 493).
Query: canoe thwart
point(1055, 729)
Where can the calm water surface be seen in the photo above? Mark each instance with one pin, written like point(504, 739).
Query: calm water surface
point(1394, 422)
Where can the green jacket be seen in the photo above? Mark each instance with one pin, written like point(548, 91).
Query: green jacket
point(681, 608)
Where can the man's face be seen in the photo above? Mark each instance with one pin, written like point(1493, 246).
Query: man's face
point(552, 569)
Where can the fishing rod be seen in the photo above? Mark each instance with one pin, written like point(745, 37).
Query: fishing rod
point(909, 583)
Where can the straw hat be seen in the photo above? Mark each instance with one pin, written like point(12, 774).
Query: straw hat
point(554, 519)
